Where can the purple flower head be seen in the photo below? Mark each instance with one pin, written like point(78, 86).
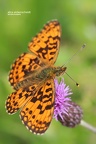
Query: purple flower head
point(66, 111)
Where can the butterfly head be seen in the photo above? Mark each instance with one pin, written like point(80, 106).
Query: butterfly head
point(60, 70)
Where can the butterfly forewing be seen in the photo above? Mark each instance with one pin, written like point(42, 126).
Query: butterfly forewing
point(46, 44)
point(37, 113)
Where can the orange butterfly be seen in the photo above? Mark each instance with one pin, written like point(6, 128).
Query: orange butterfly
point(32, 76)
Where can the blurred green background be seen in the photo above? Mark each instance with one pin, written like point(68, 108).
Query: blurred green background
point(78, 22)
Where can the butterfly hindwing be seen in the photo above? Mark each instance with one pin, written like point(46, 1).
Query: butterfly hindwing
point(19, 98)
point(23, 65)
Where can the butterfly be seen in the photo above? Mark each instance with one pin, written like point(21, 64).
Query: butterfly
point(32, 78)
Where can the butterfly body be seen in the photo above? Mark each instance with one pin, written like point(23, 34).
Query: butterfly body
point(50, 73)
point(32, 77)
point(40, 76)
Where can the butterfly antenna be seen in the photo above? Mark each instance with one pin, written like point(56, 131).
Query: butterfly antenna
point(72, 80)
point(83, 46)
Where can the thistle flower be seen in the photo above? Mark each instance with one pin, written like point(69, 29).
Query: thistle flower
point(65, 111)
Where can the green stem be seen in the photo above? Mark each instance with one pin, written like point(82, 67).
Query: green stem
point(88, 126)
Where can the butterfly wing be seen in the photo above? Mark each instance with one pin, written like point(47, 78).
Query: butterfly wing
point(46, 43)
point(19, 98)
point(22, 67)
point(38, 111)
